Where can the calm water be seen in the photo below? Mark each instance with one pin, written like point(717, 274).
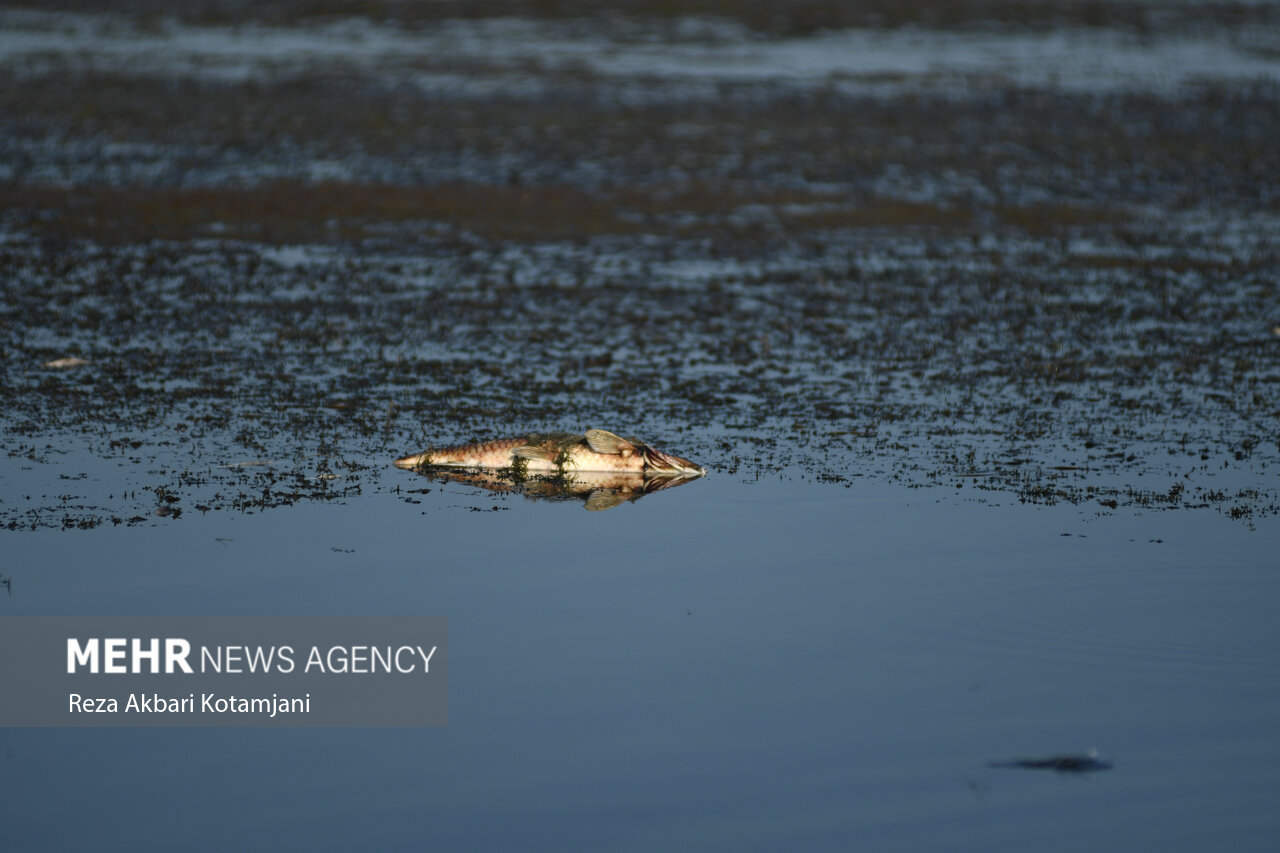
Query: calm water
point(726, 666)
point(888, 273)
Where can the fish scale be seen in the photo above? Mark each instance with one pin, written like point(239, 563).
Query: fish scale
point(486, 454)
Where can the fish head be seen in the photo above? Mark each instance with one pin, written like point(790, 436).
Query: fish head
point(417, 460)
point(658, 462)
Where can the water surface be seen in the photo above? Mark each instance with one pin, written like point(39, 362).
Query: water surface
point(726, 665)
point(969, 309)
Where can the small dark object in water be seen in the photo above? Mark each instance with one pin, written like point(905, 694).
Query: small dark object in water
point(1088, 763)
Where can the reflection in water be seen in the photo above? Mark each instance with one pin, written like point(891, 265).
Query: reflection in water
point(597, 491)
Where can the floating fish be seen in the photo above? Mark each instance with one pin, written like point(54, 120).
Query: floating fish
point(560, 454)
point(597, 491)
point(1087, 763)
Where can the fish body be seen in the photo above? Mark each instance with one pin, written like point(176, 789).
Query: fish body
point(595, 451)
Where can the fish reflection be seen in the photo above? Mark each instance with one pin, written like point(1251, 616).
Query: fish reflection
point(595, 490)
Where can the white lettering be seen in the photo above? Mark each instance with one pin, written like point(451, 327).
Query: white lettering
point(176, 651)
point(82, 655)
point(115, 650)
point(91, 704)
point(151, 653)
point(260, 660)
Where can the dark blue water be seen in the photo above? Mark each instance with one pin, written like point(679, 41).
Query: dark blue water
point(728, 665)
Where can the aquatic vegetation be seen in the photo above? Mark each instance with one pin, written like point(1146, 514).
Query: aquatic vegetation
point(1047, 294)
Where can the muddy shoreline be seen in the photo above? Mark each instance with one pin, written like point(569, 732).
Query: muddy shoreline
point(282, 281)
point(767, 19)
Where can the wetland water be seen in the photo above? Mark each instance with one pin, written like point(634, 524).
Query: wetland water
point(976, 337)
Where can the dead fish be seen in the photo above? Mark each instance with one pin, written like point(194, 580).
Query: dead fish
point(596, 450)
point(596, 491)
point(1087, 763)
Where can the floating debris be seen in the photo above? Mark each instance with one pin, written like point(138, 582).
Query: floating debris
point(66, 363)
point(248, 463)
point(1086, 763)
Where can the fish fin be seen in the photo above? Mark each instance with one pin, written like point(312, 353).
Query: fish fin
point(605, 442)
point(530, 451)
point(602, 499)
